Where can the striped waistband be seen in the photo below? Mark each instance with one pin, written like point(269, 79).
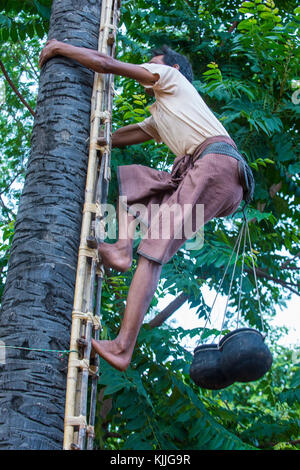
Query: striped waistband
point(223, 148)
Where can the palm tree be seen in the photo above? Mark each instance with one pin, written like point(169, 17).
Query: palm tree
point(38, 297)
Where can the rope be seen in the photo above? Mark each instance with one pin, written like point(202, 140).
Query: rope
point(220, 285)
point(244, 231)
point(241, 281)
point(255, 278)
point(231, 280)
point(59, 351)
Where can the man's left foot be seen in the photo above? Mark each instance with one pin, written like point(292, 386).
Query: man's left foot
point(116, 255)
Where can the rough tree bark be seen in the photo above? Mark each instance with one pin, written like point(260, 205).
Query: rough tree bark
point(38, 298)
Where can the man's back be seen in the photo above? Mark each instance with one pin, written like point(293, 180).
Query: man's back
point(180, 118)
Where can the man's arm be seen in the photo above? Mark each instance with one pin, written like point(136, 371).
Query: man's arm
point(96, 61)
point(127, 135)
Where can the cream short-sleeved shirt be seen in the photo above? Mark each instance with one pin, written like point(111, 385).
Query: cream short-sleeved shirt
point(179, 117)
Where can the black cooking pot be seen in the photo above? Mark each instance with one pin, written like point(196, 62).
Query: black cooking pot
point(241, 356)
point(206, 368)
point(244, 355)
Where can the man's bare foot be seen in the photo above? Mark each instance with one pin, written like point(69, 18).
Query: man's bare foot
point(113, 353)
point(116, 255)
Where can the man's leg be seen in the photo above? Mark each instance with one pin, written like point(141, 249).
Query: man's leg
point(119, 255)
point(118, 352)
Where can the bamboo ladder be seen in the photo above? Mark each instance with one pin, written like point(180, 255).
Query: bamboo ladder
point(78, 429)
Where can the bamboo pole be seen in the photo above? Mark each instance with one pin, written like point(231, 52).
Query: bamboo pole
point(93, 401)
point(86, 357)
point(101, 197)
point(78, 370)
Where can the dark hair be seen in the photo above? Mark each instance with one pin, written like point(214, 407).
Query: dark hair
point(172, 57)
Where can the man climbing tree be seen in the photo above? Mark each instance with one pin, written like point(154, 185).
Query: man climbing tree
point(202, 174)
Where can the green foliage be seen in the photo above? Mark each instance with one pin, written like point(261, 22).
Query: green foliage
point(20, 60)
point(155, 405)
point(246, 61)
point(156, 408)
point(24, 20)
point(245, 78)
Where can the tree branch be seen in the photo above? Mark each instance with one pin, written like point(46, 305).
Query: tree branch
point(15, 89)
point(12, 181)
point(8, 211)
point(230, 30)
point(284, 265)
point(283, 82)
point(35, 73)
point(173, 306)
point(168, 311)
point(261, 273)
point(233, 26)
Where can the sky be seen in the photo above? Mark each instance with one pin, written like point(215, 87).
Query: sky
point(187, 319)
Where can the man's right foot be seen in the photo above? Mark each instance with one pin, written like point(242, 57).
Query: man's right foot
point(116, 255)
point(113, 353)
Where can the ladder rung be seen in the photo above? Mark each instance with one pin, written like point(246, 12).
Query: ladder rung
point(80, 363)
point(89, 207)
point(88, 252)
point(76, 421)
point(109, 26)
point(104, 116)
point(102, 148)
point(83, 364)
point(87, 316)
point(93, 207)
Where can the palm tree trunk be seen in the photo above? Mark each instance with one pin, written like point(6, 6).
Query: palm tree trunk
point(38, 297)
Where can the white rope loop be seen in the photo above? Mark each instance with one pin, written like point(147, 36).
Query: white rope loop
point(232, 276)
point(241, 280)
point(219, 288)
point(255, 278)
point(244, 232)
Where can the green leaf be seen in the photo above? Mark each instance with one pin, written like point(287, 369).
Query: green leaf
point(294, 168)
point(113, 387)
point(40, 30)
point(139, 111)
point(295, 382)
point(43, 10)
point(254, 213)
point(128, 115)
